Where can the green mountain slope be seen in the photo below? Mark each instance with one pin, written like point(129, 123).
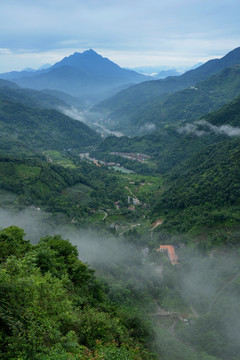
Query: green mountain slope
point(71, 188)
point(174, 144)
point(29, 97)
point(141, 104)
point(204, 190)
point(167, 148)
point(26, 129)
point(200, 166)
point(67, 99)
point(9, 84)
point(228, 114)
point(202, 187)
point(192, 103)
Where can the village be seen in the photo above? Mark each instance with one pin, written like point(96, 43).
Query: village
point(132, 156)
point(116, 166)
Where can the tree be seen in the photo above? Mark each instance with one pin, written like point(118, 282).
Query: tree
point(12, 242)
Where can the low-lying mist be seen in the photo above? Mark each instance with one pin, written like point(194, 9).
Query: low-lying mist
point(97, 120)
point(76, 114)
point(205, 289)
point(93, 247)
point(110, 256)
point(203, 127)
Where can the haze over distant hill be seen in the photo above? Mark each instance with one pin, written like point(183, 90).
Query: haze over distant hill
point(78, 74)
point(161, 72)
point(142, 104)
point(157, 72)
point(184, 105)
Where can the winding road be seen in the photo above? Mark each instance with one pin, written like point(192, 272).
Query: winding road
point(133, 195)
point(105, 214)
point(128, 228)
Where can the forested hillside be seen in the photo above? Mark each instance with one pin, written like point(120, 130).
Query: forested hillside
point(32, 98)
point(203, 191)
point(174, 144)
point(141, 108)
point(190, 104)
point(24, 129)
point(53, 307)
point(200, 164)
point(75, 189)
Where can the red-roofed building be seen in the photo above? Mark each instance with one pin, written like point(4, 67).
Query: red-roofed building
point(171, 253)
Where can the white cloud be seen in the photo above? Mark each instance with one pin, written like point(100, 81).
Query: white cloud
point(134, 32)
point(5, 51)
point(203, 127)
point(191, 129)
point(148, 127)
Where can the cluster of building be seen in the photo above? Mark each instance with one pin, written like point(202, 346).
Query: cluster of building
point(97, 162)
point(132, 156)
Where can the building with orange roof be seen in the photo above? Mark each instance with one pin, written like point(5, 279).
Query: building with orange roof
point(171, 253)
point(96, 163)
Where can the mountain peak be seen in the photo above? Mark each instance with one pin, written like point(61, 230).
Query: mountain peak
point(77, 60)
point(90, 51)
point(79, 73)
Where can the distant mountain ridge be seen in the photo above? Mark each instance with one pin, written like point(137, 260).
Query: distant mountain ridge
point(9, 84)
point(10, 91)
point(127, 106)
point(212, 67)
point(78, 74)
point(189, 104)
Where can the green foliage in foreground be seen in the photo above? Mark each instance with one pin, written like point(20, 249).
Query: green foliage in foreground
point(52, 306)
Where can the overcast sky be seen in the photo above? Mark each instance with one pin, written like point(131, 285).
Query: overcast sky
point(129, 32)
